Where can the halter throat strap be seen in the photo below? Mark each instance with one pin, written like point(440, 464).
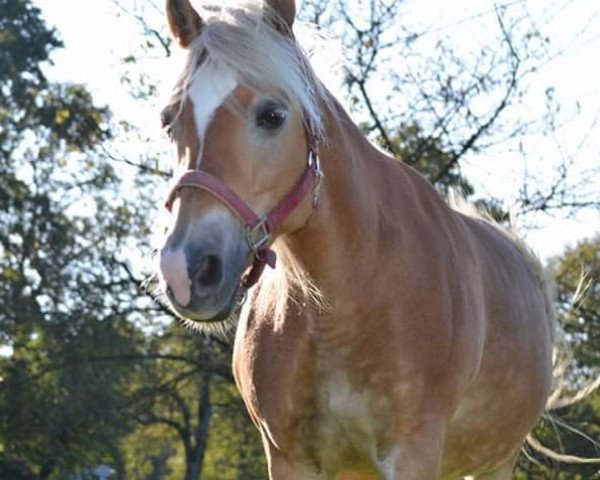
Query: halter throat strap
point(259, 230)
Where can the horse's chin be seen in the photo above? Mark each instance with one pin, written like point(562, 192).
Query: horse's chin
point(197, 315)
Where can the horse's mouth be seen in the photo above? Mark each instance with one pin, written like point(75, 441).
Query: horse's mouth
point(194, 313)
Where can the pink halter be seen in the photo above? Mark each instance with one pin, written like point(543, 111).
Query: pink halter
point(259, 230)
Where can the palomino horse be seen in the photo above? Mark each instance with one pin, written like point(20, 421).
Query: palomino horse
point(395, 337)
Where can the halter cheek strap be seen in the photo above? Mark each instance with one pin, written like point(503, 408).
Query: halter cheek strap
point(259, 231)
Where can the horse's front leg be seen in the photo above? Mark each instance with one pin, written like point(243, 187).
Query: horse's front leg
point(417, 456)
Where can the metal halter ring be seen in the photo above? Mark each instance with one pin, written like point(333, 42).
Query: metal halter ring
point(258, 236)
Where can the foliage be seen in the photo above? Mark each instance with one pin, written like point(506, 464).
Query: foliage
point(574, 430)
point(184, 389)
point(60, 387)
point(579, 268)
point(12, 468)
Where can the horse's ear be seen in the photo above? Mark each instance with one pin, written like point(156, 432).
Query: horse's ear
point(184, 21)
point(285, 11)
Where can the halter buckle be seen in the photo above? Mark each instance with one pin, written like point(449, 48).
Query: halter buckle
point(258, 236)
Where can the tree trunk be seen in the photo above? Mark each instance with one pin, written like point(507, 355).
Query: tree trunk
point(195, 458)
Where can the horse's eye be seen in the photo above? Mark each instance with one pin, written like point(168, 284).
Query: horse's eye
point(271, 117)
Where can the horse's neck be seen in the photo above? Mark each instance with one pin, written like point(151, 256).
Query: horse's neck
point(340, 241)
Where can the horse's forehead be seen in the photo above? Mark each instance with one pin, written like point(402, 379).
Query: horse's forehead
point(211, 85)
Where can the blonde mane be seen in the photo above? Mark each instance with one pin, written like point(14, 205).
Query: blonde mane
point(289, 282)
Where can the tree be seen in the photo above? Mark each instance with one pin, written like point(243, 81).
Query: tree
point(62, 310)
point(184, 386)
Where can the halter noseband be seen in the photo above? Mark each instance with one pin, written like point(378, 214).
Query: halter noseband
point(259, 230)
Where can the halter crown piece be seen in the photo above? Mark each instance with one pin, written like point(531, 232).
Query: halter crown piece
point(259, 230)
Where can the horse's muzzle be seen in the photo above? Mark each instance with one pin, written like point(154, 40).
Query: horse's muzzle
point(201, 271)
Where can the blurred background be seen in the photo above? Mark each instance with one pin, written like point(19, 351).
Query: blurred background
point(499, 100)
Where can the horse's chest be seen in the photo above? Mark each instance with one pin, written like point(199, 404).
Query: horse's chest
point(346, 406)
point(307, 403)
point(347, 427)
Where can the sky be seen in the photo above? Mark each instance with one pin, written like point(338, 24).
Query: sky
point(96, 42)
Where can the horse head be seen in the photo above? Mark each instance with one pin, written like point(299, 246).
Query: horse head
point(245, 120)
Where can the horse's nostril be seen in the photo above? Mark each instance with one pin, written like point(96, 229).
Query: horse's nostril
point(209, 273)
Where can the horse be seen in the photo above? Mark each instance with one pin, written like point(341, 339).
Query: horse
point(383, 333)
